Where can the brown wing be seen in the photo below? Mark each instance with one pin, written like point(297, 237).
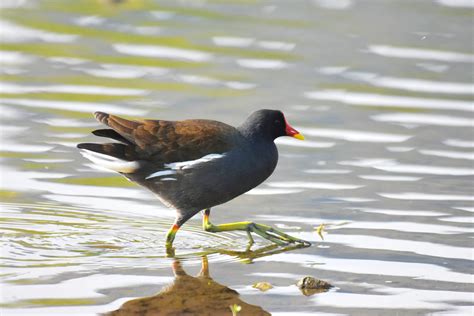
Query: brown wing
point(169, 141)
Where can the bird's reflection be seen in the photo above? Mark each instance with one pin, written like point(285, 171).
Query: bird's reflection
point(188, 295)
point(200, 295)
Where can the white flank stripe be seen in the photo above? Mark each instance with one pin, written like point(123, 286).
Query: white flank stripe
point(110, 162)
point(161, 173)
point(191, 163)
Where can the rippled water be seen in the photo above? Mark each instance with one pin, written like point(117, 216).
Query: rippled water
point(382, 90)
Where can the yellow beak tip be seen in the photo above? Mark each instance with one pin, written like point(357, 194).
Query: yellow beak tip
point(298, 136)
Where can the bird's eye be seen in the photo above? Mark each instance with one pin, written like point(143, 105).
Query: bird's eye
point(277, 122)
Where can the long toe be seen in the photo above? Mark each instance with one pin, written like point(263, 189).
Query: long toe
point(304, 243)
point(262, 233)
point(282, 236)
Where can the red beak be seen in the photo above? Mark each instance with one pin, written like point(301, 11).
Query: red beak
point(290, 131)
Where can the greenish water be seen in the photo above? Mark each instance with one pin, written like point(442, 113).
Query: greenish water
point(382, 90)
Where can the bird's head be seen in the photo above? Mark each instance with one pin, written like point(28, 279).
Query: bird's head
point(270, 124)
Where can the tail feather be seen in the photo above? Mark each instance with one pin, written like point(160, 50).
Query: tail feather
point(110, 133)
point(110, 156)
point(122, 126)
point(115, 150)
point(102, 117)
point(120, 157)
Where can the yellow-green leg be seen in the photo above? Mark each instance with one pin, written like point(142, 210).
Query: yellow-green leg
point(170, 238)
point(267, 232)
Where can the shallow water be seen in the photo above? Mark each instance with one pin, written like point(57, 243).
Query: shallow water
point(381, 90)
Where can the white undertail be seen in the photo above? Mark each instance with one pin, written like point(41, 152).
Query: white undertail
point(109, 162)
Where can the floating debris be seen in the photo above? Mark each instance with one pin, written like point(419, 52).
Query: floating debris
point(309, 285)
point(262, 286)
point(320, 231)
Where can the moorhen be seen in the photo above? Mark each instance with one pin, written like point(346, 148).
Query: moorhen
point(193, 165)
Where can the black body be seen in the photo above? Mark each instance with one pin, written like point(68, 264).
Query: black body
point(167, 157)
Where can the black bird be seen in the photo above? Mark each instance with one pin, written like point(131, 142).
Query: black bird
point(193, 165)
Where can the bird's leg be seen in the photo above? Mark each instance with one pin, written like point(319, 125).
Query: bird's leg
point(170, 236)
point(204, 268)
point(251, 241)
point(267, 232)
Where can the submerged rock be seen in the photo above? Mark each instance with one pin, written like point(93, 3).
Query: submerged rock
point(309, 285)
